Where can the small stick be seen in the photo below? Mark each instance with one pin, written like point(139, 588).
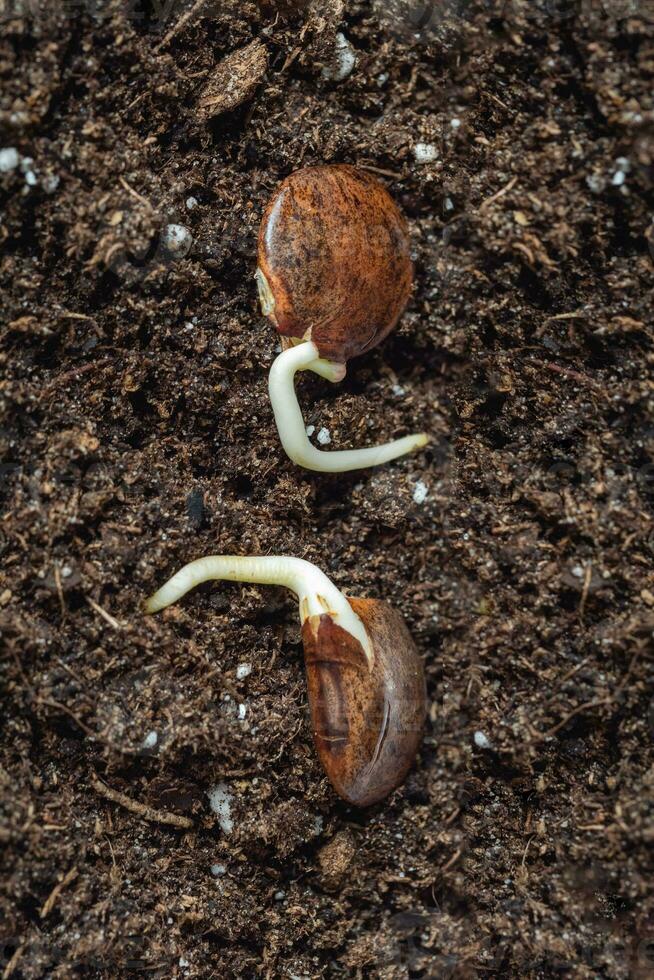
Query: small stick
point(570, 716)
point(494, 197)
point(76, 372)
point(567, 372)
point(108, 618)
point(13, 962)
point(58, 706)
point(141, 809)
point(139, 197)
point(60, 591)
point(588, 575)
point(184, 19)
point(380, 170)
point(56, 891)
point(452, 861)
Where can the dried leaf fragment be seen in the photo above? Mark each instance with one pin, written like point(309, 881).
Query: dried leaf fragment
point(234, 81)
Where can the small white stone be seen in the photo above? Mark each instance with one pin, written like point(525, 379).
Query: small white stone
point(217, 870)
point(596, 183)
point(183, 962)
point(455, 123)
point(577, 571)
point(310, 430)
point(9, 159)
point(618, 178)
point(344, 60)
point(481, 741)
point(382, 79)
point(448, 204)
point(425, 152)
point(624, 164)
point(220, 801)
point(279, 896)
point(50, 183)
point(420, 492)
point(243, 670)
point(242, 711)
point(26, 164)
point(191, 202)
point(324, 438)
point(398, 391)
point(150, 740)
point(31, 179)
point(177, 239)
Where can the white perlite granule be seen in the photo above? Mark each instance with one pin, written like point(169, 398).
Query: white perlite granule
point(220, 801)
point(420, 492)
point(425, 152)
point(481, 741)
point(177, 240)
point(344, 60)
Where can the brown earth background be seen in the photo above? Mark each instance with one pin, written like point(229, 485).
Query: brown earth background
point(136, 434)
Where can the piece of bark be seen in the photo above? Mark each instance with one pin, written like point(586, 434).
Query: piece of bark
point(233, 81)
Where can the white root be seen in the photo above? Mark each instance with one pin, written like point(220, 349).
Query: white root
point(290, 424)
point(315, 592)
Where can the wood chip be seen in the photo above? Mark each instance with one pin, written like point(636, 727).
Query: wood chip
point(233, 81)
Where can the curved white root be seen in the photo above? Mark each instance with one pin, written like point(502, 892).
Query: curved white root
point(290, 424)
point(315, 592)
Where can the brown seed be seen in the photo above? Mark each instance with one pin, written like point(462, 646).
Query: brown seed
point(334, 251)
point(365, 679)
point(367, 716)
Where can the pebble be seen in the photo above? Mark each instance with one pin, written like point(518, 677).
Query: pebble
point(596, 183)
point(324, 437)
point(217, 870)
point(177, 239)
point(243, 670)
point(9, 159)
point(50, 183)
point(191, 202)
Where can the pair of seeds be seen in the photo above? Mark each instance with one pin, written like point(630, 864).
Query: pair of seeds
point(334, 276)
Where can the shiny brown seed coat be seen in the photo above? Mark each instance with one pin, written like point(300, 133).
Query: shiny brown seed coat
point(367, 718)
point(334, 248)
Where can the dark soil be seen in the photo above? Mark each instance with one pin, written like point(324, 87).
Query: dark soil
point(137, 434)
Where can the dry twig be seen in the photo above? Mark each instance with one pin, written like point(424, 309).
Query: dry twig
point(140, 809)
point(51, 900)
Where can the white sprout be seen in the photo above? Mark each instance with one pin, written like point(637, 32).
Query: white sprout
point(315, 592)
point(290, 424)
